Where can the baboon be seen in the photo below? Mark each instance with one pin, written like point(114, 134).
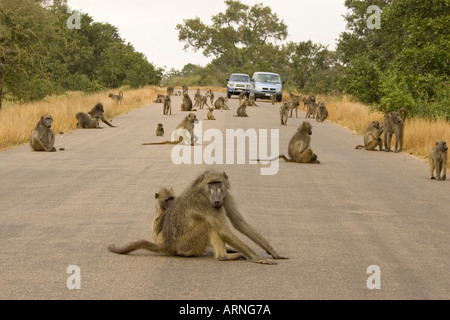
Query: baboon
point(241, 97)
point(241, 111)
point(160, 98)
point(299, 147)
point(198, 218)
point(210, 115)
point(321, 112)
point(438, 160)
point(251, 100)
point(170, 91)
point(98, 112)
point(293, 105)
point(311, 106)
point(284, 112)
point(372, 137)
point(220, 104)
point(160, 130)
point(203, 101)
point(185, 89)
point(167, 106)
point(117, 98)
point(210, 94)
point(197, 98)
point(184, 131)
point(42, 137)
point(274, 98)
point(394, 123)
point(85, 121)
point(187, 103)
point(164, 199)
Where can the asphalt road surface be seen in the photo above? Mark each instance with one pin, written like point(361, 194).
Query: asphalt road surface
point(357, 211)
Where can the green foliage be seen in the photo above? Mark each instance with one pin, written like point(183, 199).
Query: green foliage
point(43, 56)
point(405, 63)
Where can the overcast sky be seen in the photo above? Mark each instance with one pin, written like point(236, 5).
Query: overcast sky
point(149, 25)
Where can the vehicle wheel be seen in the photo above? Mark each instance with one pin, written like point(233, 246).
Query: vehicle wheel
point(279, 98)
point(229, 95)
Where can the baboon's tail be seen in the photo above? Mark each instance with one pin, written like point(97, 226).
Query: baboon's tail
point(403, 112)
point(359, 147)
point(276, 158)
point(133, 246)
point(160, 143)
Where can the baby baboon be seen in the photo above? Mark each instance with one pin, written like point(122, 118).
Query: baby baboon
point(210, 115)
point(299, 147)
point(394, 123)
point(167, 106)
point(372, 137)
point(198, 218)
point(438, 160)
point(220, 104)
point(160, 98)
point(170, 91)
point(117, 98)
point(98, 112)
point(160, 130)
point(187, 103)
point(284, 112)
point(241, 111)
point(42, 137)
point(185, 132)
point(321, 112)
point(85, 121)
point(164, 199)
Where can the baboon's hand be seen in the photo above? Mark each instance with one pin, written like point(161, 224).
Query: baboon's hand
point(277, 256)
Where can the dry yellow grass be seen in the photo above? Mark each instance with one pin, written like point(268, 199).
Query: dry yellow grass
point(420, 135)
point(17, 121)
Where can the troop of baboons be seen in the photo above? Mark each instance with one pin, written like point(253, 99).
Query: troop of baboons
point(185, 225)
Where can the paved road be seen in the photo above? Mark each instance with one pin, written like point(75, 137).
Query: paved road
point(334, 220)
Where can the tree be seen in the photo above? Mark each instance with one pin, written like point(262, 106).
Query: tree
point(241, 35)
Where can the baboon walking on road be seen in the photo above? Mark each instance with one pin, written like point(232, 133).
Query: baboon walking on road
point(372, 137)
point(198, 218)
point(438, 160)
point(42, 137)
point(284, 113)
point(394, 123)
point(167, 106)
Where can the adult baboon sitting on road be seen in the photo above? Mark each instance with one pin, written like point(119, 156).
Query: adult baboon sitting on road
point(372, 137)
point(42, 137)
point(198, 218)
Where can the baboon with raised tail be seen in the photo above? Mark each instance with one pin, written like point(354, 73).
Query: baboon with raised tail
point(198, 218)
point(117, 98)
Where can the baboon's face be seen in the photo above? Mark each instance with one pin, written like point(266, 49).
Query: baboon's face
point(216, 194)
point(160, 125)
point(99, 107)
point(442, 146)
point(193, 118)
point(47, 120)
point(376, 124)
point(306, 127)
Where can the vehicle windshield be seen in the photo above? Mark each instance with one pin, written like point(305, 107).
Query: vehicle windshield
point(271, 78)
point(241, 78)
